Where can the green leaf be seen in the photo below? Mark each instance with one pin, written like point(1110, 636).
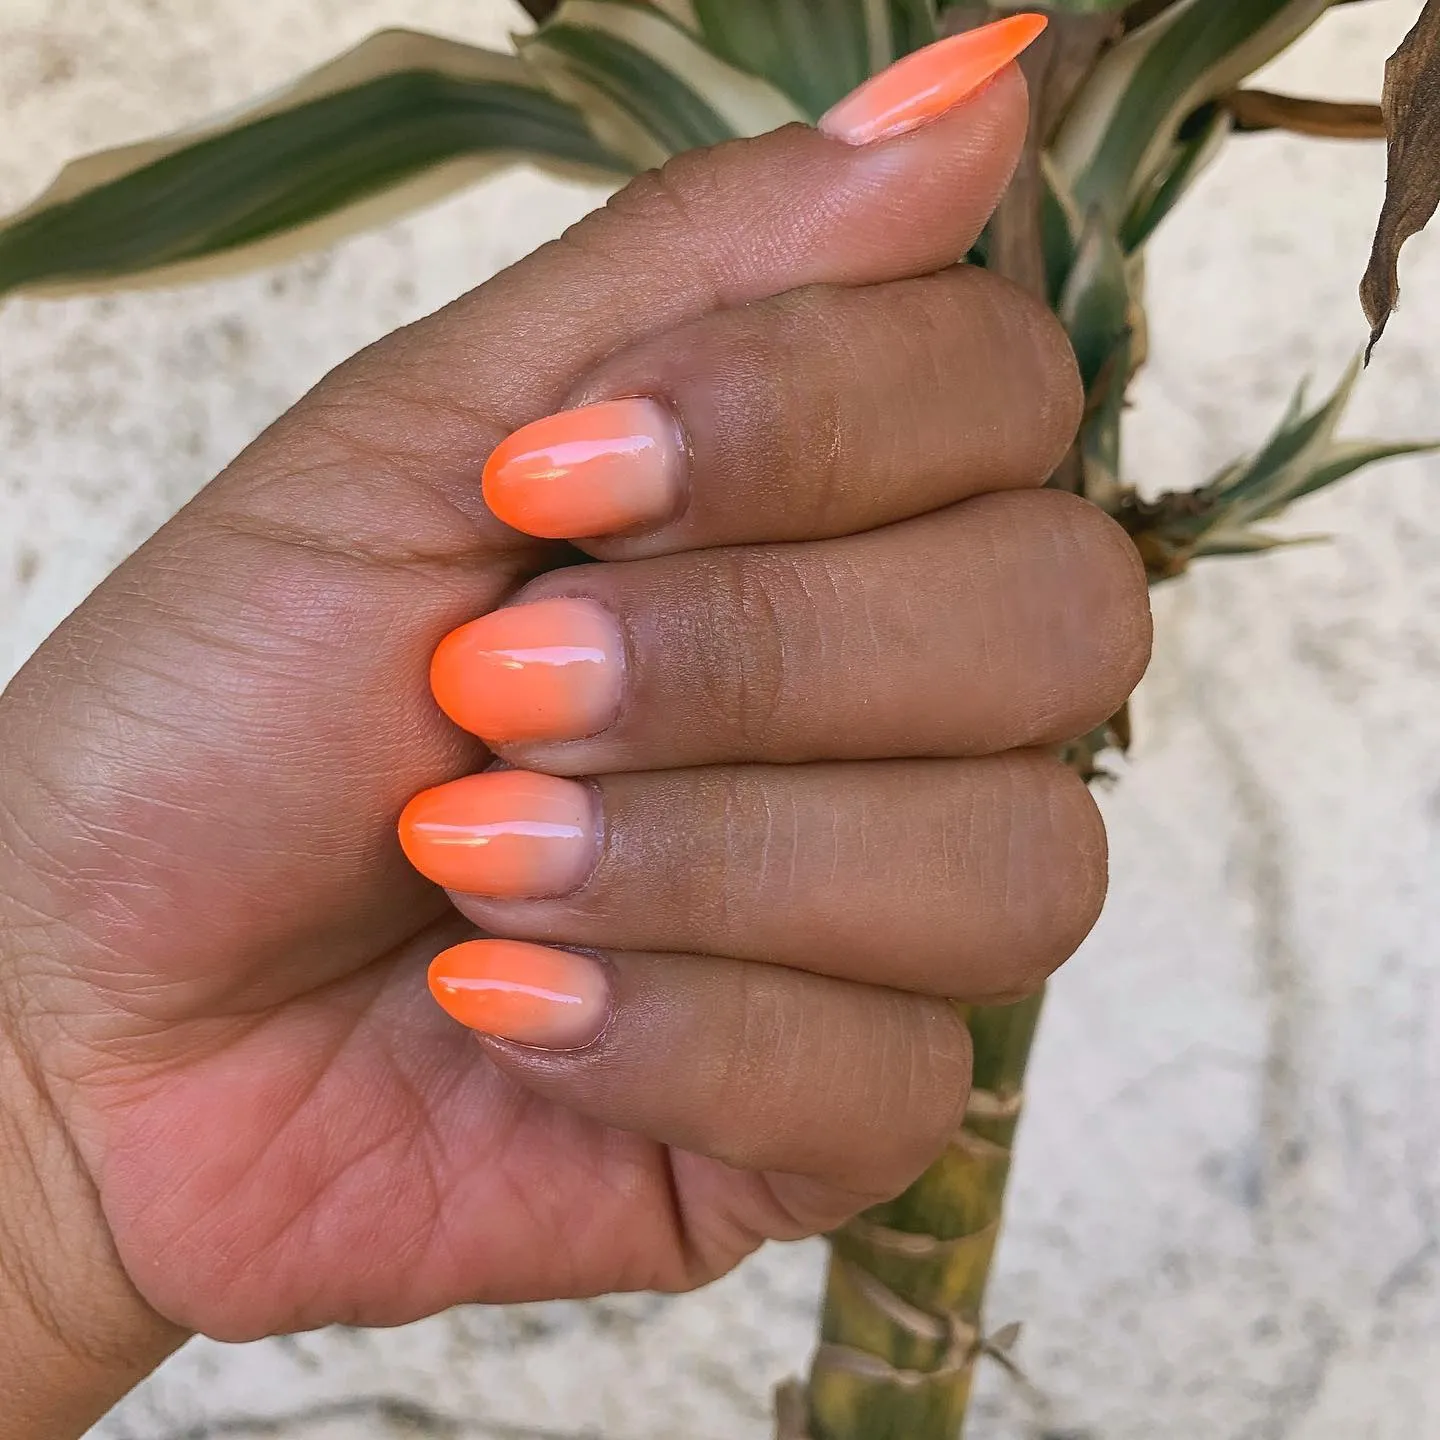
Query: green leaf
point(1301, 457)
point(1061, 226)
point(1095, 304)
point(395, 122)
point(913, 23)
point(1344, 459)
point(815, 51)
point(1200, 142)
point(1122, 128)
point(647, 84)
point(1280, 471)
point(1100, 436)
point(780, 42)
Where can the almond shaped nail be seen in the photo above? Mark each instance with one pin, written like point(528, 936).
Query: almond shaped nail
point(529, 994)
point(551, 670)
point(922, 86)
point(507, 834)
point(599, 470)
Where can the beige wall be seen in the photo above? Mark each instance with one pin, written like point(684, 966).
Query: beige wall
point(1229, 1187)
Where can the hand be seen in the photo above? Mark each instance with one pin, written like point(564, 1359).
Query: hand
point(216, 950)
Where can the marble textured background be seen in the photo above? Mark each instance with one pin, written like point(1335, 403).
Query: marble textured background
point(1227, 1198)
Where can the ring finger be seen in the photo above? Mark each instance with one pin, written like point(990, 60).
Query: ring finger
point(971, 879)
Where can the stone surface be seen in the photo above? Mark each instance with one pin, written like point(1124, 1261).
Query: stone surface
point(1227, 1199)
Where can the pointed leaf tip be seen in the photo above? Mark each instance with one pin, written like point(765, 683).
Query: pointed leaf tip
point(1411, 107)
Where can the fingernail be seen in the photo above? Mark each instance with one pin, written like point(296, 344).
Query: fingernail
point(599, 470)
point(508, 834)
point(924, 85)
point(551, 670)
point(552, 999)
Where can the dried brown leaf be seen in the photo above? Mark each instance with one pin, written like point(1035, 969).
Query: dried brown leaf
point(1411, 105)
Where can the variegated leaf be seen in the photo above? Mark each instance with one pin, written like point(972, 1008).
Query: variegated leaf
point(1200, 142)
point(1121, 130)
point(1219, 543)
point(1301, 458)
point(814, 50)
point(1346, 458)
point(1284, 465)
point(1061, 229)
point(1095, 304)
point(396, 122)
point(649, 85)
point(1101, 434)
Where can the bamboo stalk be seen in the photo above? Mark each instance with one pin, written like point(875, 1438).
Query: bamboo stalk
point(900, 1331)
point(900, 1328)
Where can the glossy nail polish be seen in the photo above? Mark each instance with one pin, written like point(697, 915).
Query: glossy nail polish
point(924, 85)
point(551, 999)
point(550, 670)
point(507, 834)
point(599, 470)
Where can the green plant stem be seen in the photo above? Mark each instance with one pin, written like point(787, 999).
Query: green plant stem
point(900, 1332)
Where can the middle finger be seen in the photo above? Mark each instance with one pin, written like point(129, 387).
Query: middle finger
point(1009, 620)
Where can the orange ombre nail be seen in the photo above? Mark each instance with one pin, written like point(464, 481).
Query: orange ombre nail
point(551, 999)
point(923, 86)
point(507, 834)
point(550, 670)
point(599, 470)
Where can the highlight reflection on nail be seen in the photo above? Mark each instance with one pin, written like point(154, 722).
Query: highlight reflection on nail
point(599, 470)
point(550, 670)
point(507, 834)
point(530, 994)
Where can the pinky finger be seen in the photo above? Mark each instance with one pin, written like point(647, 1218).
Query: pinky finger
point(757, 1066)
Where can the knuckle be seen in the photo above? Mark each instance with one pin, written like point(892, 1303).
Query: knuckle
point(1068, 873)
point(745, 676)
point(1014, 336)
point(668, 205)
point(1105, 629)
point(719, 885)
point(924, 1074)
point(1038, 834)
point(1122, 614)
point(800, 374)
